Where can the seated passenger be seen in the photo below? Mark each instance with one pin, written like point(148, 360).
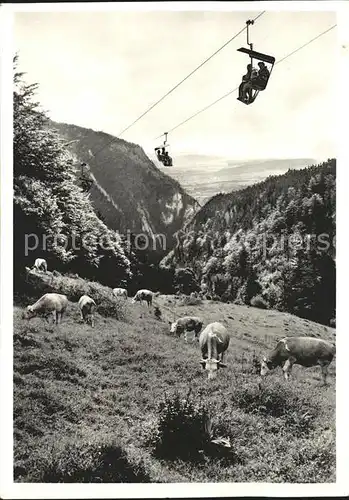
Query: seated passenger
point(245, 88)
point(167, 159)
point(245, 79)
point(263, 75)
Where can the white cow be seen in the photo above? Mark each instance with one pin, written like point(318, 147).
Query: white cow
point(40, 265)
point(214, 341)
point(120, 292)
point(50, 303)
point(145, 295)
point(87, 309)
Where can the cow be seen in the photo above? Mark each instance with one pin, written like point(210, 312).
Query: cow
point(54, 303)
point(145, 295)
point(87, 308)
point(187, 324)
point(40, 265)
point(214, 341)
point(120, 292)
point(304, 351)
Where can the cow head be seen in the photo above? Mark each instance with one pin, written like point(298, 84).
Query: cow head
point(28, 313)
point(173, 327)
point(212, 365)
point(266, 365)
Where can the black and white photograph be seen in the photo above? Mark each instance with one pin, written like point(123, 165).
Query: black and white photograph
point(169, 285)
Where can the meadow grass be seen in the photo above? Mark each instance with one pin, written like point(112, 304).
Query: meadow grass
point(87, 400)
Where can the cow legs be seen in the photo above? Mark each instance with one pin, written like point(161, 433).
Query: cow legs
point(58, 317)
point(92, 321)
point(287, 368)
point(324, 370)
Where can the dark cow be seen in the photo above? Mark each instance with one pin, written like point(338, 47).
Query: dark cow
point(187, 324)
point(304, 351)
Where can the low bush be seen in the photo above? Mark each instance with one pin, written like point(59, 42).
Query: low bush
point(190, 301)
point(259, 302)
point(182, 429)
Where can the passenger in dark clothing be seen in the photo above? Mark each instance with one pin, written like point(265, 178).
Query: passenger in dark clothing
point(245, 79)
point(263, 75)
point(258, 81)
point(167, 160)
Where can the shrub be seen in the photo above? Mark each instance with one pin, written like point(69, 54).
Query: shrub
point(190, 301)
point(259, 302)
point(182, 429)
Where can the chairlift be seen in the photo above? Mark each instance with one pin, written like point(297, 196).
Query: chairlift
point(162, 153)
point(256, 84)
point(85, 178)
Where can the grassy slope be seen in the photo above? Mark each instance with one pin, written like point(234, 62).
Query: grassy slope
point(78, 388)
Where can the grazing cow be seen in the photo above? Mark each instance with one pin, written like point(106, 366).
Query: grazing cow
point(214, 341)
point(53, 303)
point(120, 292)
point(40, 265)
point(304, 351)
point(87, 309)
point(187, 324)
point(145, 295)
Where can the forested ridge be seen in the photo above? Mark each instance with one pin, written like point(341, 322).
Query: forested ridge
point(271, 244)
point(130, 192)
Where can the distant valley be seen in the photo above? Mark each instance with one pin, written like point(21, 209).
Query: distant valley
point(205, 176)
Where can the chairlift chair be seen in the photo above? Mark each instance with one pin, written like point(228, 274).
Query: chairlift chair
point(162, 153)
point(259, 56)
point(85, 180)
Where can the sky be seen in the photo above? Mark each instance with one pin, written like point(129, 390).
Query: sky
point(102, 70)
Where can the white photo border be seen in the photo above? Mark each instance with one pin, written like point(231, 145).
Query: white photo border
point(12, 490)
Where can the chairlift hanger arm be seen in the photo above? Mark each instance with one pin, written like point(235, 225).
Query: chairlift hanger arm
point(248, 22)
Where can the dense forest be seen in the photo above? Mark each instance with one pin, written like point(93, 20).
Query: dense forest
point(271, 245)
